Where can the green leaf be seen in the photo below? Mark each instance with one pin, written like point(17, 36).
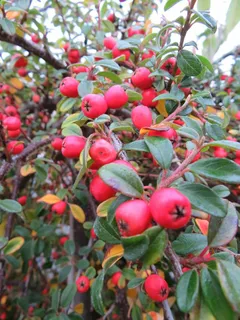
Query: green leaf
point(90, 272)
point(122, 178)
point(134, 283)
point(85, 87)
point(64, 272)
point(189, 64)
point(222, 231)
point(68, 294)
point(72, 130)
point(157, 245)
point(226, 144)
point(229, 277)
point(203, 198)
point(82, 264)
point(8, 26)
point(75, 117)
point(161, 149)
point(166, 96)
point(55, 299)
point(66, 104)
point(110, 75)
point(148, 38)
point(193, 124)
point(121, 126)
point(3, 242)
point(214, 131)
point(187, 290)
point(214, 297)
point(136, 313)
point(24, 4)
point(205, 18)
point(135, 247)
point(189, 243)
point(10, 206)
point(114, 205)
point(108, 64)
point(138, 145)
point(108, 25)
point(206, 63)
point(96, 294)
point(105, 231)
point(221, 191)
point(133, 95)
point(13, 245)
point(69, 247)
point(170, 3)
point(203, 4)
point(232, 17)
point(218, 169)
point(188, 133)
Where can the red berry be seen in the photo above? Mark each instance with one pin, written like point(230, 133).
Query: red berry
point(156, 288)
point(93, 105)
point(93, 234)
point(21, 61)
point(169, 66)
point(148, 96)
point(83, 284)
point(141, 79)
point(11, 111)
point(133, 217)
point(22, 72)
point(3, 316)
point(12, 123)
point(116, 97)
point(223, 77)
point(135, 30)
point(35, 38)
point(36, 98)
point(117, 53)
point(22, 200)
point(63, 239)
point(170, 208)
point(109, 43)
point(66, 46)
point(100, 190)
point(55, 255)
point(116, 277)
point(80, 69)
point(220, 153)
point(237, 154)
point(170, 134)
point(237, 115)
point(72, 146)
point(14, 133)
point(45, 291)
point(69, 87)
point(196, 158)
point(186, 91)
point(57, 144)
point(59, 207)
point(111, 17)
point(141, 117)
point(15, 147)
point(237, 160)
point(230, 80)
point(74, 55)
point(102, 152)
point(147, 55)
point(230, 138)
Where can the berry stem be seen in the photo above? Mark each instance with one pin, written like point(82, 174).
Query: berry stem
point(179, 109)
point(174, 259)
point(167, 311)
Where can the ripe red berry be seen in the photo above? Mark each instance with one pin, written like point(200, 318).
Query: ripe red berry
point(148, 96)
point(186, 91)
point(15, 147)
point(80, 69)
point(109, 42)
point(230, 138)
point(20, 60)
point(59, 207)
point(223, 77)
point(102, 152)
point(116, 277)
point(83, 284)
point(93, 234)
point(133, 217)
point(237, 115)
point(170, 208)
point(156, 288)
point(93, 105)
point(237, 161)
point(14, 133)
point(141, 117)
point(36, 98)
point(117, 53)
point(22, 200)
point(116, 97)
point(66, 46)
point(57, 144)
point(135, 30)
point(69, 87)
point(141, 79)
point(237, 154)
point(220, 153)
point(11, 111)
point(100, 190)
point(3, 316)
point(196, 158)
point(35, 38)
point(72, 146)
point(147, 55)
point(12, 123)
point(63, 239)
point(170, 134)
point(74, 55)
point(169, 66)
point(111, 17)
point(22, 72)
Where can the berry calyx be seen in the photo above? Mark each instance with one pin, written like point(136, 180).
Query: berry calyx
point(83, 284)
point(141, 117)
point(170, 208)
point(69, 87)
point(102, 152)
point(156, 288)
point(59, 207)
point(72, 146)
point(100, 190)
point(93, 105)
point(116, 97)
point(141, 79)
point(133, 217)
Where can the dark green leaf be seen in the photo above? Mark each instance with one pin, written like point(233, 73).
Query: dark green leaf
point(90, 272)
point(187, 290)
point(108, 64)
point(72, 130)
point(8, 26)
point(226, 144)
point(189, 243)
point(188, 133)
point(206, 63)
point(68, 294)
point(96, 294)
point(135, 283)
point(138, 145)
point(82, 264)
point(205, 18)
point(66, 104)
point(105, 231)
point(193, 124)
point(64, 272)
point(69, 247)
point(135, 247)
point(10, 206)
point(55, 299)
point(214, 131)
point(133, 95)
point(110, 75)
point(136, 313)
point(189, 64)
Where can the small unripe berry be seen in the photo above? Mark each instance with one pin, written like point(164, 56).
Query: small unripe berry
point(69, 87)
point(156, 288)
point(141, 117)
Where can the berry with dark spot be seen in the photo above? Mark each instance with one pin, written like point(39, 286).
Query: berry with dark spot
point(83, 284)
point(156, 288)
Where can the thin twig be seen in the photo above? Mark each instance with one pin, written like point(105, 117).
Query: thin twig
point(167, 311)
point(174, 259)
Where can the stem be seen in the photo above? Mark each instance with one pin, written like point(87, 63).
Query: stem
point(167, 311)
point(179, 109)
point(174, 259)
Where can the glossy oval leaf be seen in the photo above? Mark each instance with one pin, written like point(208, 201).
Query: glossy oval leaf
point(9, 205)
point(105, 231)
point(187, 290)
point(14, 245)
point(226, 144)
point(189, 243)
point(122, 179)
point(68, 294)
point(96, 294)
point(189, 64)
point(135, 247)
point(49, 199)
